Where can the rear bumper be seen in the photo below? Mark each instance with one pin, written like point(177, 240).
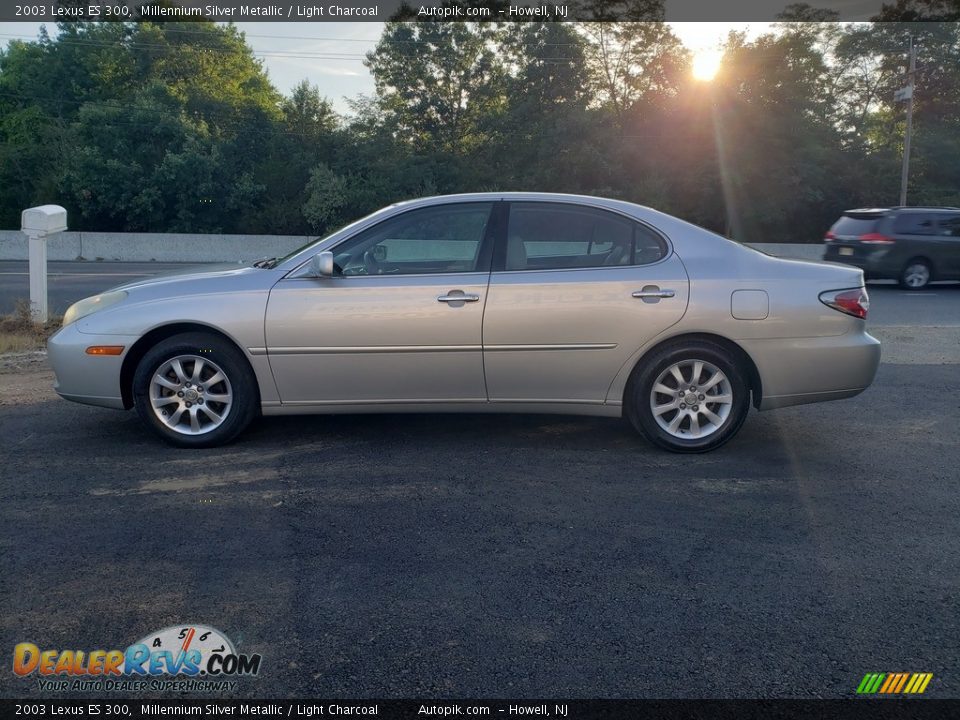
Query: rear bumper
point(82, 378)
point(807, 370)
point(874, 262)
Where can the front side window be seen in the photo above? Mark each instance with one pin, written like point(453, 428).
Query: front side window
point(439, 239)
point(551, 236)
point(915, 224)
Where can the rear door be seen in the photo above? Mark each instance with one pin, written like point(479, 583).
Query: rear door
point(575, 291)
point(949, 227)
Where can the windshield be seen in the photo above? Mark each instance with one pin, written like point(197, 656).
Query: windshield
point(273, 262)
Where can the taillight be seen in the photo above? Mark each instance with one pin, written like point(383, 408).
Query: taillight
point(829, 236)
point(876, 239)
point(852, 302)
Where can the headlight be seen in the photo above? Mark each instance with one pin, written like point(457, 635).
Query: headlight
point(91, 305)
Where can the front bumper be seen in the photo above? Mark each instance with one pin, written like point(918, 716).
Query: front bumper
point(88, 379)
point(808, 370)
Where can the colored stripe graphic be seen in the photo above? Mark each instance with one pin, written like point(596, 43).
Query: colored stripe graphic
point(901, 681)
point(914, 682)
point(894, 683)
point(870, 683)
point(891, 680)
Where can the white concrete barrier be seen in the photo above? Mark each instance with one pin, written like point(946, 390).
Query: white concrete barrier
point(194, 248)
point(812, 251)
point(159, 247)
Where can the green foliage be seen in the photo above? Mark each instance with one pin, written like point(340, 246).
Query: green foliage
point(176, 126)
point(436, 83)
point(326, 197)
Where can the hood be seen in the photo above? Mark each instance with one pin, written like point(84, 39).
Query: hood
point(190, 273)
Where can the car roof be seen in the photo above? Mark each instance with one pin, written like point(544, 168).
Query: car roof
point(899, 208)
point(518, 195)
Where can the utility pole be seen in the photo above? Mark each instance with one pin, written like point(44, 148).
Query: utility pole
point(907, 94)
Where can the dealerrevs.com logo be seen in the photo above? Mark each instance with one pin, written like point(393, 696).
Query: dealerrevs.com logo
point(179, 658)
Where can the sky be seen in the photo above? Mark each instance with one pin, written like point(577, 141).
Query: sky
point(330, 55)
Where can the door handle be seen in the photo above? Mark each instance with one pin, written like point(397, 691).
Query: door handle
point(654, 293)
point(462, 297)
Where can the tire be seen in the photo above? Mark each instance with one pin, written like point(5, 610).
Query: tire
point(730, 387)
point(185, 413)
point(916, 275)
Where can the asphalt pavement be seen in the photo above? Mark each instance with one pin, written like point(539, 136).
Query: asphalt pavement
point(506, 556)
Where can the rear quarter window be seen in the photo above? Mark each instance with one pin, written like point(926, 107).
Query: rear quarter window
point(915, 224)
point(950, 226)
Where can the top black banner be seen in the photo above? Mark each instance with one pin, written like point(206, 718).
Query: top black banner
point(240, 11)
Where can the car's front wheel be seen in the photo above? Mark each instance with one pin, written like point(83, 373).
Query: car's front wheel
point(195, 390)
point(688, 397)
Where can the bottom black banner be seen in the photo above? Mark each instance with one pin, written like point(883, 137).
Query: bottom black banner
point(560, 709)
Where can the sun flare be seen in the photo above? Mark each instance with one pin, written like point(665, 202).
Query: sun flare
point(706, 64)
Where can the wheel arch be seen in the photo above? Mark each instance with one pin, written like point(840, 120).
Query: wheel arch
point(923, 258)
point(743, 357)
point(158, 334)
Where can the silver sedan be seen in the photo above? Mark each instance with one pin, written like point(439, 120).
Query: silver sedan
point(493, 302)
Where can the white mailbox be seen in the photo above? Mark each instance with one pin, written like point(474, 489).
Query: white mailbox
point(37, 224)
point(43, 220)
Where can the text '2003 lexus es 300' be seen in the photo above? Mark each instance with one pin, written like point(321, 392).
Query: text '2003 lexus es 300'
point(492, 302)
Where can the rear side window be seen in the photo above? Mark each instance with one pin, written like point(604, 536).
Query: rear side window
point(553, 236)
point(915, 224)
point(950, 225)
point(857, 226)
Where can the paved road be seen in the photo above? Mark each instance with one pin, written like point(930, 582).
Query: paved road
point(408, 556)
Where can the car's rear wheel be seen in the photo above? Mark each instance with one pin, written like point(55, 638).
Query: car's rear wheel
point(195, 390)
point(689, 397)
point(916, 275)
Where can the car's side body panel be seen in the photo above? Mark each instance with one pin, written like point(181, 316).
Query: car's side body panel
point(377, 339)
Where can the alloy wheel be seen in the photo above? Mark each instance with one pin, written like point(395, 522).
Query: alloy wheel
point(191, 395)
point(691, 399)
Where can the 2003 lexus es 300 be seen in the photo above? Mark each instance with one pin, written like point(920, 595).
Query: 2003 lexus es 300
point(495, 302)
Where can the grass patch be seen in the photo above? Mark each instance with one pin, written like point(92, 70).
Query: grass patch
point(19, 333)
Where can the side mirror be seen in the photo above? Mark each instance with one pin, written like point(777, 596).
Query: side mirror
point(322, 264)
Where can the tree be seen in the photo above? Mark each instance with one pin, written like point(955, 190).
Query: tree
point(436, 81)
point(633, 61)
point(326, 198)
point(186, 105)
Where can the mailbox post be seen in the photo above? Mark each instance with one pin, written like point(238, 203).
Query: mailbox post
point(38, 223)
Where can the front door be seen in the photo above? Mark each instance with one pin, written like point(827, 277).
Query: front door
point(400, 321)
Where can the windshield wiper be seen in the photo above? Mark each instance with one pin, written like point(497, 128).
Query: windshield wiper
point(266, 263)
